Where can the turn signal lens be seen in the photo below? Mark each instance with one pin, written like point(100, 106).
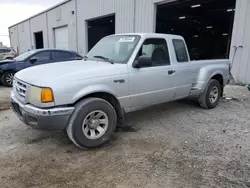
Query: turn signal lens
point(47, 95)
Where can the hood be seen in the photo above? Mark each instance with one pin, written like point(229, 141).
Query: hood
point(7, 61)
point(44, 75)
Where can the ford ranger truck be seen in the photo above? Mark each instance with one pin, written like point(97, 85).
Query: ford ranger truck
point(122, 73)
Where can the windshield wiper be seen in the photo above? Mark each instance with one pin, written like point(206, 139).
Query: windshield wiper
point(104, 58)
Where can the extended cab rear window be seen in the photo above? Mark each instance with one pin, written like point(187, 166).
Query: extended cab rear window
point(180, 50)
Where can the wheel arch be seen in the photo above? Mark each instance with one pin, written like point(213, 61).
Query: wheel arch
point(111, 98)
point(211, 71)
point(3, 73)
point(208, 73)
point(8, 57)
point(8, 70)
point(219, 78)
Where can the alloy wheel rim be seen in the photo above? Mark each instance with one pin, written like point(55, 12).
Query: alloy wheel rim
point(214, 94)
point(9, 78)
point(95, 124)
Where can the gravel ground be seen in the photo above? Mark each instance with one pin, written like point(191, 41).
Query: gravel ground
point(4, 97)
point(172, 145)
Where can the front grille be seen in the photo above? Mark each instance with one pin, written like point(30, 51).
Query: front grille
point(20, 89)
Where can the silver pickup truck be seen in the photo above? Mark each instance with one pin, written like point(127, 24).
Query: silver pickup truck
point(122, 73)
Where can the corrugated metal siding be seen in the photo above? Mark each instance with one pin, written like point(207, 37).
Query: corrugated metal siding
point(146, 14)
point(90, 9)
point(246, 50)
point(13, 32)
point(241, 36)
point(61, 16)
point(24, 36)
point(125, 13)
point(86, 10)
point(247, 69)
point(38, 24)
point(131, 16)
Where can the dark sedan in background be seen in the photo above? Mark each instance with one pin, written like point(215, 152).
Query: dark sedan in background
point(33, 58)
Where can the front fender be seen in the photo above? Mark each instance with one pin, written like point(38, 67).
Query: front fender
point(93, 89)
point(9, 67)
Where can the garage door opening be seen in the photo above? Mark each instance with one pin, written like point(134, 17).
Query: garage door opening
point(206, 25)
point(100, 28)
point(38, 40)
point(61, 38)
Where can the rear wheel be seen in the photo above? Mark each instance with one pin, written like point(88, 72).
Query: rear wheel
point(7, 78)
point(211, 97)
point(92, 123)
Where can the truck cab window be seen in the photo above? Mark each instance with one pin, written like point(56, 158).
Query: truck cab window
point(156, 50)
point(180, 50)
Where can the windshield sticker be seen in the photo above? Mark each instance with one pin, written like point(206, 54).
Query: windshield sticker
point(127, 39)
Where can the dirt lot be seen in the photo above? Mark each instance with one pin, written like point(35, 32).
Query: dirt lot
point(171, 145)
point(4, 97)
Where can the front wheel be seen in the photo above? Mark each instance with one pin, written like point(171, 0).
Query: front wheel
point(7, 78)
point(211, 97)
point(92, 123)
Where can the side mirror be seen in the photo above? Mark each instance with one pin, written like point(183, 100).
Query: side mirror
point(143, 61)
point(33, 60)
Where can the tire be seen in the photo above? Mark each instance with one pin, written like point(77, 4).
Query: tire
point(211, 97)
point(7, 78)
point(87, 111)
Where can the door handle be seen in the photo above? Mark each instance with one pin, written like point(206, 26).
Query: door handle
point(170, 72)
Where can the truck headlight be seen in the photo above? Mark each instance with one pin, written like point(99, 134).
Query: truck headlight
point(43, 95)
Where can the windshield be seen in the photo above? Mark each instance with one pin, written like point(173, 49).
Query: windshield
point(23, 56)
point(114, 48)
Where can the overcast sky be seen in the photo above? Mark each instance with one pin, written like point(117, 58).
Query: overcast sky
point(13, 11)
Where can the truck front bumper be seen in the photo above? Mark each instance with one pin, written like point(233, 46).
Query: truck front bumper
point(47, 119)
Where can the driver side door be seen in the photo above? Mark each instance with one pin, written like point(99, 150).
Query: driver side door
point(152, 84)
point(40, 58)
point(35, 59)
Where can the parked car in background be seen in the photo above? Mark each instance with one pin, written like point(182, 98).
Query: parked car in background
point(122, 73)
point(33, 58)
point(7, 53)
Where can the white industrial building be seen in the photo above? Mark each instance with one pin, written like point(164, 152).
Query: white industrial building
point(211, 27)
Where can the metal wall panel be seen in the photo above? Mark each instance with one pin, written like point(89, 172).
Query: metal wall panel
point(145, 14)
point(59, 17)
point(92, 9)
point(241, 36)
point(125, 13)
point(24, 36)
point(247, 40)
point(14, 41)
point(37, 24)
